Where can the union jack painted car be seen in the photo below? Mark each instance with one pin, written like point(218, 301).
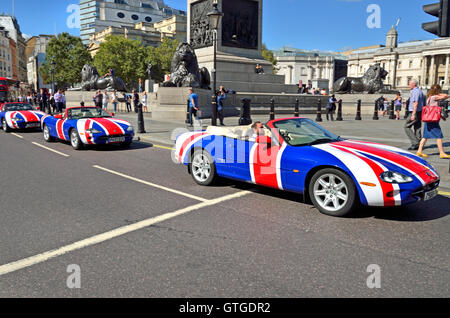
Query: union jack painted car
point(19, 116)
point(87, 126)
point(298, 155)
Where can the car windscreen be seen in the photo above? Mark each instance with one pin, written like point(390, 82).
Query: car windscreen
point(86, 112)
point(304, 132)
point(17, 107)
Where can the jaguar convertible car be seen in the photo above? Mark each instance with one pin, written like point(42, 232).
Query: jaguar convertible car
point(298, 155)
point(87, 126)
point(19, 116)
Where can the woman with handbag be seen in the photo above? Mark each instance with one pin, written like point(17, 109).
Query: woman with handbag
point(431, 117)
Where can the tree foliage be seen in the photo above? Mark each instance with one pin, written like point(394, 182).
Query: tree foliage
point(269, 56)
point(69, 55)
point(128, 58)
point(161, 58)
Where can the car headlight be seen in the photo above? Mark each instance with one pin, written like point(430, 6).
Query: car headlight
point(93, 131)
point(395, 177)
point(130, 129)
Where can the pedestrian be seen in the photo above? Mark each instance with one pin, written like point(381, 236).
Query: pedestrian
point(398, 105)
point(220, 99)
point(43, 99)
point(59, 101)
point(98, 99)
point(433, 130)
point(193, 106)
point(414, 120)
point(29, 99)
point(105, 100)
point(135, 100)
point(127, 99)
point(144, 101)
point(52, 103)
point(114, 100)
point(140, 85)
point(331, 107)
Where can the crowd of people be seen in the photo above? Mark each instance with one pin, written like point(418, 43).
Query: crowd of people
point(44, 100)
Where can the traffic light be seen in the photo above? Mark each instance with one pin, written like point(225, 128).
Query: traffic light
point(441, 10)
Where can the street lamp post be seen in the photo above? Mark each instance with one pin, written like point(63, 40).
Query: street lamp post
point(53, 74)
point(214, 17)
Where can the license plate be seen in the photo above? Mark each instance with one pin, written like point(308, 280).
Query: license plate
point(33, 125)
point(116, 139)
point(430, 195)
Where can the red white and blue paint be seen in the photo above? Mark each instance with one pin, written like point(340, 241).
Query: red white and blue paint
point(289, 168)
point(20, 116)
point(91, 131)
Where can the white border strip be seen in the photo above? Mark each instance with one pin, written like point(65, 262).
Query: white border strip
point(50, 149)
point(152, 184)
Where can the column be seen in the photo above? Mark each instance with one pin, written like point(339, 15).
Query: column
point(424, 75)
point(394, 73)
point(332, 75)
point(288, 79)
point(432, 73)
point(447, 65)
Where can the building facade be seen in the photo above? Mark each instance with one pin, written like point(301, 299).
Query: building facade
point(5, 55)
point(95, 16)
point(425, 61)
point(36, 48)
point(18, 57)
point(150, 34)
point(310, 66)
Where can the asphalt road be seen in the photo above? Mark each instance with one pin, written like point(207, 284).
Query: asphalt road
point(137, 225)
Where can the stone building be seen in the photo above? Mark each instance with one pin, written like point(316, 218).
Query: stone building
point(97, 15)
point(36, 52)
point(426, 61)
point(150, 34)
point(311, 66)
point(5, 55)
point(18, 57)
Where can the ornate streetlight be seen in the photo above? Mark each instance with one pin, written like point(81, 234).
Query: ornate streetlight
point(53, 64)
point(214, 18)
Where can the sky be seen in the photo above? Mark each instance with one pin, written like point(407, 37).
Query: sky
point(326, 25)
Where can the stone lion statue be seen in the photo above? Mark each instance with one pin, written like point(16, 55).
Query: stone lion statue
point(91, 80)
point(370, 83)
point(185, 71)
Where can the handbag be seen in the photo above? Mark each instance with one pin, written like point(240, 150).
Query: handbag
point(431, 114)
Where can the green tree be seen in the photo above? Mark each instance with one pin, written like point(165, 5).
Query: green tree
point(269, 56)
point(161, 58)
point(127, 57)
point(69, 55)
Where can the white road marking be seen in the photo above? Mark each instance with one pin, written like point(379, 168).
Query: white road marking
point(50, 149)
point(40, 258)
point(17, 135)
point(152, 184)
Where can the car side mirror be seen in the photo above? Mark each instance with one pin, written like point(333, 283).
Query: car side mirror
point(265, 140)
point(112, 114)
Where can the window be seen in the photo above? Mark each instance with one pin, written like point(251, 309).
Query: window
point(399, 81)
point(400, 64)
point(121, 15)
point(410, 64)
point(146, 5)
point(148, 19)
point(135, 17)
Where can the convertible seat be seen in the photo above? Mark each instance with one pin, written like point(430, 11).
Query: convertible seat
point(237, 132)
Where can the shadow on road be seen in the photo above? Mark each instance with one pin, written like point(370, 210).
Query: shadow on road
point(422, 211)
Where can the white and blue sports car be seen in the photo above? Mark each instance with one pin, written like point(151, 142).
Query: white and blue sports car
point(298, 155)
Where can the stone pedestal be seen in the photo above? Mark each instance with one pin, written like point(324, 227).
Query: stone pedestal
point(149, 86)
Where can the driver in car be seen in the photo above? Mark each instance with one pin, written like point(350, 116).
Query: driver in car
point(258, 130)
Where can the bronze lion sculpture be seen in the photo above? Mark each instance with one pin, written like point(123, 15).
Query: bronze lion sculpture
point(185, 71)
point(91, 80)
point(370, 83)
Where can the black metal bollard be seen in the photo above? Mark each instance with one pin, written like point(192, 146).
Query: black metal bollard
point(358, 111)
point(272, 109)
point(188, 120)
point(392, 115)
point(297, 110)
point(339, 113)
point(375, 114)
point(141, 125)
point(245, 118)
point(319, 110)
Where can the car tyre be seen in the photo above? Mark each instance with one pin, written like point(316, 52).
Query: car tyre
point(47, 136)
point(5, 126)
point(203, 168)
point(75, 140)
point(333, 192)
